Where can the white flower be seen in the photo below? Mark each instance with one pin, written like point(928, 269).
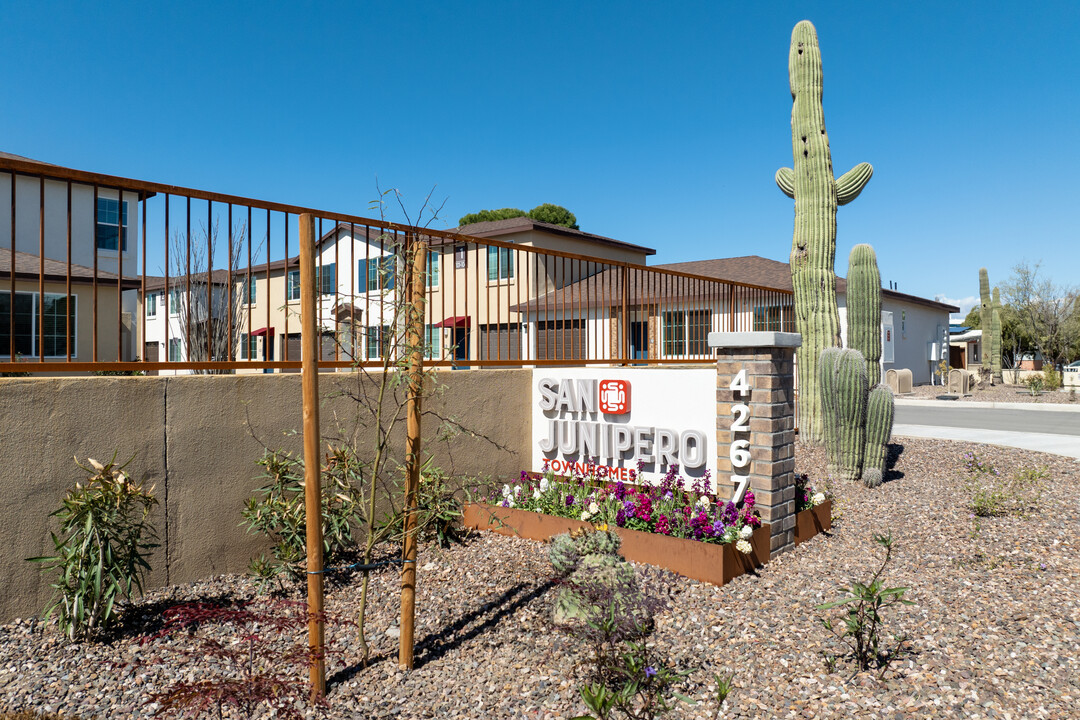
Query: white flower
point(747, 532)
point(506, 491)
point(818, 498)
point(593, 508)
point(536, 494)
point(743, 547)
point(703, 501)
point(544, 485)
point(509, 502)
point(517, 491)
point(585, 515)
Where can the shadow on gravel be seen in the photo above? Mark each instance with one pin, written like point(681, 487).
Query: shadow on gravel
point(435, 645)
point(149, 618)
point(892, 456)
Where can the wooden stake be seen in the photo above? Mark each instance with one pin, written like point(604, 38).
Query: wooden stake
point(312, 454)
point(414, 309)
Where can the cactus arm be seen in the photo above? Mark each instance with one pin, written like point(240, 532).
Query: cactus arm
point(864, 309)
point(851, 183)
point(785, 180)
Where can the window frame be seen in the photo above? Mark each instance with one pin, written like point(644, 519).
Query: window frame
point(151, 305)
point(291, 285)
point(499, 267)
point(122, 222)
point(376, 341)
point(175, 343)
point(34, 314)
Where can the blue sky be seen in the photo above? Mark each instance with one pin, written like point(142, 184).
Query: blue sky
point(660, 124)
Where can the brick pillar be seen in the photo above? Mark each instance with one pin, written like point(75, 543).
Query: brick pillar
point(769, 361)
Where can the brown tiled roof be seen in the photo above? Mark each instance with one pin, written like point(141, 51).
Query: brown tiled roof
point(756, 270)
point(606, 287)
point(27, 267)
point(495, 228)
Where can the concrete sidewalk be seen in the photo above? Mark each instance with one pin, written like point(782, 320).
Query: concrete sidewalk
point(1050, 407)
point(1066, 445)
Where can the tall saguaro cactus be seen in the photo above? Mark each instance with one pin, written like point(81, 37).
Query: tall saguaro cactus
point(995, 338)
point(864, 309)
point(817, 194)
point(985, 310)
point(844, 393)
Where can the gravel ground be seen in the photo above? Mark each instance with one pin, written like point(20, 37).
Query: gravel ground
point(994, 633)
point(1000, 393)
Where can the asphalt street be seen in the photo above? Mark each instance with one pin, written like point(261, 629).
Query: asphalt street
point(1005, 419)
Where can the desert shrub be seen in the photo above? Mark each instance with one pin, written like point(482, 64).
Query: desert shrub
point(1035, 383)
point(277, 511)
point(102, 550)
point(993, 494)
point(1051, 377)
point(862, 623)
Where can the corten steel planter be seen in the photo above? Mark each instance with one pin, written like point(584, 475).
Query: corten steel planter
point(708, 562)
point(809, 523)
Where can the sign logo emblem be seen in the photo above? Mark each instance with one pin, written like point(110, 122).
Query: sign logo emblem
point(615, 397)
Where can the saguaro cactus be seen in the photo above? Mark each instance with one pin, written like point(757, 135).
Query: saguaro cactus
point(817, 195)
point(879, 423)
point(985, 312)
point(843, 387)
point(995, 339)
point(864, 309)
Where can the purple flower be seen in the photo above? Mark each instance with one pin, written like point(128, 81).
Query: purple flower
point(730, 514)
point(569, 500)
point(620, 518)
point(650, 671)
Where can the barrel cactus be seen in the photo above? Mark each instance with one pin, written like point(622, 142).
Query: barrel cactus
point(995, 338)
point(843, 384)
point(864, 309)
point(564, 554)
point(879, 423)
point(597, 581)
point(813, 249)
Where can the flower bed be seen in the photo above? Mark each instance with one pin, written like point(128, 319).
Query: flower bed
point(709, 562)
point(676, 524)
point(813, 510)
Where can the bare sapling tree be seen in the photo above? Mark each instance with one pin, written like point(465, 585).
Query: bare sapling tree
point(208, 299)
point(1047, 312)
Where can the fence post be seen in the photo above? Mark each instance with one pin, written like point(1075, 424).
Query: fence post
point(312, 459)
point(414, 304)
point(625, 344)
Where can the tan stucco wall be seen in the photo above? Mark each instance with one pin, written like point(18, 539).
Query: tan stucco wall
point(196, 438)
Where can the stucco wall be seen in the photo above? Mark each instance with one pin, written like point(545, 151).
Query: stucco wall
point(196, 438)
point(914, 326)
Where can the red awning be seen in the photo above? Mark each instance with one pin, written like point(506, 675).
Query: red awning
point(263, 331)
point(457, 321)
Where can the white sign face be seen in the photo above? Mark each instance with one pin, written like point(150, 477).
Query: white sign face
point(612, 418)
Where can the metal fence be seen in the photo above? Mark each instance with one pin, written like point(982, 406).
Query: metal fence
point(100, 273)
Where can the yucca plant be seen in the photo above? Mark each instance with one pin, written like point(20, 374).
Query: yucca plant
point(102, 550)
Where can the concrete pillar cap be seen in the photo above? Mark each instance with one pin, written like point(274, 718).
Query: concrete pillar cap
point(754, 339)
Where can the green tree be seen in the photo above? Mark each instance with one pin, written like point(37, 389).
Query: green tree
point(546, 213)
point(1047, 314)
point(490, 216)
point(554, 214)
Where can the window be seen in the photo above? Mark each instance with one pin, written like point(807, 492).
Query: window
point(174, 349)
point(378, 341)
point(174, 302)
point(433, 268)
point(57, 309)
point(111, 228)
point(248, 291)
point(697, 330)
point(249, 347)
point(767, 319)
point(377, 273)
point(292, 285)
point(674, 333)
point(328, 279)
point(151, 305)
point(500, 262)
point(432, 336)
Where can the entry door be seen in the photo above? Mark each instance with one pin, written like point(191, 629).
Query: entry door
point(150, 354)
point(461, 346)
point(639, 340)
